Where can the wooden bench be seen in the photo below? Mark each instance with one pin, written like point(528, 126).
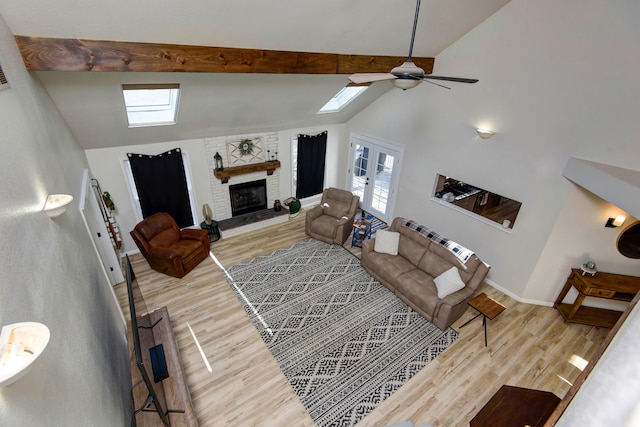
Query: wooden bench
point(173, 391)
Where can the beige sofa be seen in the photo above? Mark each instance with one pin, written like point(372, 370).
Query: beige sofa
point(410, 274)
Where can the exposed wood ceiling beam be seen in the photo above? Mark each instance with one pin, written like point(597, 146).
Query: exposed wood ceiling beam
point(55, 54)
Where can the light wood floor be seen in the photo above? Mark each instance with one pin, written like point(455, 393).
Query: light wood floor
point(529, 346)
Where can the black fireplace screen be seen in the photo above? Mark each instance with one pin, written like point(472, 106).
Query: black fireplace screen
point(248, 197)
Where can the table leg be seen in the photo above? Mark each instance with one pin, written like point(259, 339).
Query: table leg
point(484, 323)
point(469, 321)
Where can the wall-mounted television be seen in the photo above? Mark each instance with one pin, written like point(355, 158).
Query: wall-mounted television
point(141, 331)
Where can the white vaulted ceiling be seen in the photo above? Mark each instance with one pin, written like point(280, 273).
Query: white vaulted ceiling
point(225, 104)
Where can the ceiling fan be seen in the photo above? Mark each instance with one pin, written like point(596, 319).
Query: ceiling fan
point(407, 75)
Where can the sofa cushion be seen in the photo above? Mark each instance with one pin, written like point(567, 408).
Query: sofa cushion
point(418, 287)
point(433, 264)
point(411, 250)
point(388, 267)
point(386, 242)
point(448, 282)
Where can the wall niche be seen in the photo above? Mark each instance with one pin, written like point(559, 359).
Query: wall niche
point(477, 201)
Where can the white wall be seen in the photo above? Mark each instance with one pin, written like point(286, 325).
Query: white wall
point(336, 161)
point(50, 270)
point(557, 79)
point(578, 236)
point(106, 166)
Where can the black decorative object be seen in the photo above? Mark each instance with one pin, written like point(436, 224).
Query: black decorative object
point(218, 160)
point(161, 184)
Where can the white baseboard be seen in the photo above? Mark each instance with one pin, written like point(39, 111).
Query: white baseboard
point(310, 202)
point(517, 298)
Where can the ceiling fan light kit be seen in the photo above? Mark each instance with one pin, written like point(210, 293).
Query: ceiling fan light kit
point(407, 75)
point(405, 84)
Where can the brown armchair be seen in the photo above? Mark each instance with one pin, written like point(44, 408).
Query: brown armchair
point(332, 220)
point(168, 249)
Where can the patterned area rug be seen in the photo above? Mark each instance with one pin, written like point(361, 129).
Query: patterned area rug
point(343, 340)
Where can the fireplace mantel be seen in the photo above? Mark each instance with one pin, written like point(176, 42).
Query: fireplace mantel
point(226, 173)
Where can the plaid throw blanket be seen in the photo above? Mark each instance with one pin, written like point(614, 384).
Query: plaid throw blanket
point(459, 251)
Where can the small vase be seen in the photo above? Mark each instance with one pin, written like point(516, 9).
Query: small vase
point(277, 206)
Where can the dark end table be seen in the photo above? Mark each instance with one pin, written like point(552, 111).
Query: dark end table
point(516, 407)
point(213, 229)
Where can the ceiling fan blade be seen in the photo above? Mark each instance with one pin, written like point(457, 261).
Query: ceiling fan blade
point(451, 79)
point(360, 78)
point(437, 84)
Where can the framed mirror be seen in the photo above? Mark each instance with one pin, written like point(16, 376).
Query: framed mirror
point(629, 241)
point(491, 206)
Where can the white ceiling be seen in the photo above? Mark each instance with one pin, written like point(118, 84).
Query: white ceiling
point(229, 104)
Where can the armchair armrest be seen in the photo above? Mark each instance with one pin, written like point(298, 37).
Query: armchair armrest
point(162, 253)
point(193, 233)
point(458, 297)
point(314, 212)
point(311, 215)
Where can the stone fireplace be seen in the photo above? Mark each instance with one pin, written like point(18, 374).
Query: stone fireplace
point(248, 197)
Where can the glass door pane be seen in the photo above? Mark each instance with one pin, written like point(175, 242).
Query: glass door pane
point(373, 175)
point(360, 168)
point(382, 183)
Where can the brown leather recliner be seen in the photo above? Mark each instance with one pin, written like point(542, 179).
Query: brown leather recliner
point(168, 249)
point(332, 220)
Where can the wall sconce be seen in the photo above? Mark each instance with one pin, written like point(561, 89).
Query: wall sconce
point(485, 133)
point(57, 204)
point(615, 222)
point(20, 346)
point(218, 161)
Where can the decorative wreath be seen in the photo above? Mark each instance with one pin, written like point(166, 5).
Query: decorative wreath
point(245, 147)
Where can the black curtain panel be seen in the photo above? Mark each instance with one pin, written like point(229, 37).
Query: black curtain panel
point(162, 185)
point(311, 162)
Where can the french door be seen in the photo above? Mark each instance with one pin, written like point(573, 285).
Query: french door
point(374, 167)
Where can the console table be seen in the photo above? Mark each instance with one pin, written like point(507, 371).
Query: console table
point(175, 389)
point(610, 286)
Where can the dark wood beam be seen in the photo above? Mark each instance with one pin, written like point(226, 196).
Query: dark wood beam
point(54, 54)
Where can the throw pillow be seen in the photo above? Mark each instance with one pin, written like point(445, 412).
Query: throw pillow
point(386, 242)
point(448, 282)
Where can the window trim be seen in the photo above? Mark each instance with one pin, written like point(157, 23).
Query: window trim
point(172, 106)
point(133, 190)
point(341, 104)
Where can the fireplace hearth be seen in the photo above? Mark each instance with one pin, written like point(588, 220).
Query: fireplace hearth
point(249, 219)
point(248, 197)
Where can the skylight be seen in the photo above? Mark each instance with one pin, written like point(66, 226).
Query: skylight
point(342, 98)
point(151, 105)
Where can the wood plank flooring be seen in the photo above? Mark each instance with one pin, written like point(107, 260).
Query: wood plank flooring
point(529, 346)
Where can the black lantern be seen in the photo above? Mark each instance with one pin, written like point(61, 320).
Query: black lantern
point(218, 159)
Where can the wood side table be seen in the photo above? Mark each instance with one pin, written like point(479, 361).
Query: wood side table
point(487, 307)
point(600, 285)
point(516, 407)
point(361, 231)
